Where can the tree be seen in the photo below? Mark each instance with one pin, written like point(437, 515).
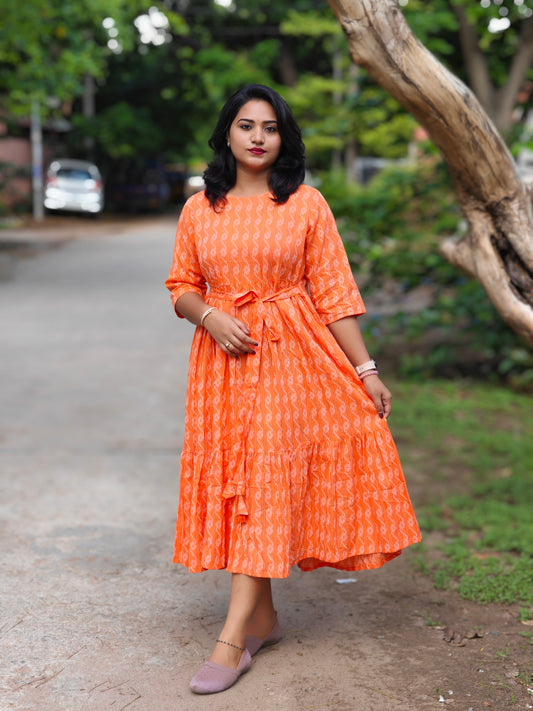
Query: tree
point(488, 44)
point(168, 94)
point(498, 249)
point(46, 50)
point(497, 95)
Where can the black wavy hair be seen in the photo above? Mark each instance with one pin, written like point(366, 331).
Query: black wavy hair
point(288, 172)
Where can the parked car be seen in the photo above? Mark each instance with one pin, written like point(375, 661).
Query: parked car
point(138, 185)
point(73, 185)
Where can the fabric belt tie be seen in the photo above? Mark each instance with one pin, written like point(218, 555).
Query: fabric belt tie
point(262, 319)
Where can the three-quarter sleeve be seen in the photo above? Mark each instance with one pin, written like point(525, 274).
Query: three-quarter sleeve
point(329, 277)
point(185, 273)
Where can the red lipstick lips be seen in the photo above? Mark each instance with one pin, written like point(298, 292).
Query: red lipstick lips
point(257, 151)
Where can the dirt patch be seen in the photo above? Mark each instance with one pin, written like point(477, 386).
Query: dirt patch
point(484, 658)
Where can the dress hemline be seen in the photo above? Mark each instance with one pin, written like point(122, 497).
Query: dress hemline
point(373, 562)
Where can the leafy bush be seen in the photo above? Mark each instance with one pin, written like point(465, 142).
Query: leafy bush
point(392, 228)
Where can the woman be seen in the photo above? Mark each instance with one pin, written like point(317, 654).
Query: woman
point(287, 456)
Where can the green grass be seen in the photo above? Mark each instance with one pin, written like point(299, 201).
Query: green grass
point(469, 448)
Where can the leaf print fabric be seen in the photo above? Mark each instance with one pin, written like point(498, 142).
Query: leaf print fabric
point(285, 460)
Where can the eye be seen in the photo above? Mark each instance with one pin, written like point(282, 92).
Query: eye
point(245, 126)
point(271, 129)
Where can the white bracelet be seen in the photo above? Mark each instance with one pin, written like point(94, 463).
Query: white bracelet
point(369, 365)
point(206, 314)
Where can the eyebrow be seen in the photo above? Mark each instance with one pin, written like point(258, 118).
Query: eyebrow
point(252, 120)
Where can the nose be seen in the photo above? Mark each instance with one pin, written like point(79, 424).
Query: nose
point(257, 135)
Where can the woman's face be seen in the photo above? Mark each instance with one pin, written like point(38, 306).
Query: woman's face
point(254, 138)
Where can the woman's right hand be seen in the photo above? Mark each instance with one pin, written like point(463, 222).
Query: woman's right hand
point(231, 334)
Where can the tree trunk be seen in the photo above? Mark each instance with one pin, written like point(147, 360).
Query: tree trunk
point(287, 67)
point(476, 63)
point(498, 249)
point(498, 102)
point(523, 57)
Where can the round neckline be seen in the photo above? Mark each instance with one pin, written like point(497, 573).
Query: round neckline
point(249, 197)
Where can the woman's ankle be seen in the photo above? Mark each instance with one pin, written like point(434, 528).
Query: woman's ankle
point(227, 653)
point(262, 624)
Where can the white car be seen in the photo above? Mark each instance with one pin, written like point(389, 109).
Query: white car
point(74, 185)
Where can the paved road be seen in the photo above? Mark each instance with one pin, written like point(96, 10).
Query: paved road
point(93, 367)
point(93, 614)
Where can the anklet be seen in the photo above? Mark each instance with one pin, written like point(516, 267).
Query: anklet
point(221, 641)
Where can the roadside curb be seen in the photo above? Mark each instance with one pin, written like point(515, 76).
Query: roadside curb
point(54, 231)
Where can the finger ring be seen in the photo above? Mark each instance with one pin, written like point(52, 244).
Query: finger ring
point(228, 344)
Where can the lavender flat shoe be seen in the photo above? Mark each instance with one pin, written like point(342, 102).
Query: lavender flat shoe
point(213, 677)
point(254, 644)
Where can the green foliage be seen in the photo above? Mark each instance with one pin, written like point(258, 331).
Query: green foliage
point(503, 579)
point(392, 228)
point(312, 103)
point(137, 112)
point(428, 25)
point(265, 55)
point(47, 48)
point(334, 111)
point(437, 27)
point(123, 131)
point(475, 439)
point(311, 24)
point(342, 105)
point(463, 334)
point(382, 127)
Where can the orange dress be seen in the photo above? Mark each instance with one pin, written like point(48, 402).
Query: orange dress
point(284, 460)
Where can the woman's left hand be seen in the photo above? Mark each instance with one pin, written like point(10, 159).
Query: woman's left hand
point(379, 394)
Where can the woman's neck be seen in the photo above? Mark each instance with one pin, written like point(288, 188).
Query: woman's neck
point(250, 184)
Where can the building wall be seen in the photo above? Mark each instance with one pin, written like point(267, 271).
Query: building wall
point(16, 190)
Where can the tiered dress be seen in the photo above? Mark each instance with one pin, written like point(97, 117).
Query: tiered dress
point(285, 460)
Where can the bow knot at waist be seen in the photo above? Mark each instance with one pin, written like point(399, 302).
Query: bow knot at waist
point(273, 326)
point(245, 297)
